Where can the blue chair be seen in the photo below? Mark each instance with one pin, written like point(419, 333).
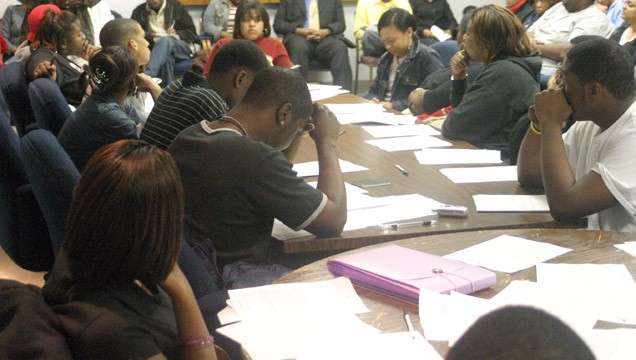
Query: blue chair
point(23, 232)
point(49, 105)
point(14, 87)
point(53, 177)
point(446, 50)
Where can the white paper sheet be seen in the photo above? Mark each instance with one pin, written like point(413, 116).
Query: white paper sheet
point(385, 118)
point(508, 253)
point(457, 156)
point(311, 168)
point(317, 95)
point(408, 143)
point(616, 344)
point(481, 174)
point(599, 277)
point(511, 203)
point(628, 247)
point(400, 130)
point(439, 33)
point(335, 296)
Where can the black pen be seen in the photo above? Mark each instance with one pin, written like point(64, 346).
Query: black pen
point(402, 170)
point(53, 58)
point(396, 226)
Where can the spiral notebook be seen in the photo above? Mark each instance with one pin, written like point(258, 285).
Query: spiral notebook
point(401, 272)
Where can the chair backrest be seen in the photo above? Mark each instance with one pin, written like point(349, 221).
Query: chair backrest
point(23, 232)
point(446, 50)
point(53, 177)
point(49, 105)
point(14, 87)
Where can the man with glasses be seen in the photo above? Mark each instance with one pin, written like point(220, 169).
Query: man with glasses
point(240, 177)
point(588, 172)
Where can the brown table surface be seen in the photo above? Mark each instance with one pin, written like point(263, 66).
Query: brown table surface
point(587, 246)
point(426, 180)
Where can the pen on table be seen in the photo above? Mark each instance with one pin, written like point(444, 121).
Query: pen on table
point(407, 224)
point(53, 58)
point(409, 324)
point(402, 170)
point(342, 132)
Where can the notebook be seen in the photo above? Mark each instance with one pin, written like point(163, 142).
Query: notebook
point(400, 272)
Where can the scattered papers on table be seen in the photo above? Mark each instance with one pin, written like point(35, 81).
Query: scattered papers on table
point(313, 321)
point(400, 130)
point(364, 210)
point(408, 143)
point(385, 118)
point(308, 169)
point(457, 156)
point(508, 253)
point(320, 91)
point(481, 174)
point(628, 247)
point(511, 203)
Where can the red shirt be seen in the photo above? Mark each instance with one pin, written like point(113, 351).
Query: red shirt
point(273, 49)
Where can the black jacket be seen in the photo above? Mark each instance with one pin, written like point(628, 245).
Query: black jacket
point(416, 66)
point(174, 12)
point(485, 112)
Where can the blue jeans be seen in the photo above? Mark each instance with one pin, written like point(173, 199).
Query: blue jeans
point(165, 52)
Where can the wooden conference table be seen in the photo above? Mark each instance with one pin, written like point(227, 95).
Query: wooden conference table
point(386, 313)
point(423, 179)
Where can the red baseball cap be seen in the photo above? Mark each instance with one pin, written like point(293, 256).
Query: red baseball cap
point(35, 17)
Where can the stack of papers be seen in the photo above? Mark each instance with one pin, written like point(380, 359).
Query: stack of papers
point(312, 321)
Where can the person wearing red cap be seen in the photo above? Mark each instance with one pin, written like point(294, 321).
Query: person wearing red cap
point(59, 37)
point(34, 17)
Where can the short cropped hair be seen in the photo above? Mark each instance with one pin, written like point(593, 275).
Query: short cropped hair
point(605, 62)
point(245, 11)
point(112, 70)
point(499, 32)
point(520, 333)
point(239, 54)
point(117, 32)
point(126, 217)
point(275, 86)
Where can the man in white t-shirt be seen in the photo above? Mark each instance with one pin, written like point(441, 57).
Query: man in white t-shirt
point(562, 23)
point(590, 170)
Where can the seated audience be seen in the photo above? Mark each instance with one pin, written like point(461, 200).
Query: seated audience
point(613, 9)
point(481, 115)
point(237, 180)
point(219, 19)
point(406, 63)
point(105, 116)
point(12, 20)
point(520, 333)
point(434, 92)
point(253, 25)
point(170, 32)
point(308, 35)
point(192, 99)
point(116, 286)
point(58, 37)
point(561, 23)
point(524, 9)
point(93, 15)
point(431, 13)
point(586, 172)
point(365, 25)
point(129, 34)
point(540, 7)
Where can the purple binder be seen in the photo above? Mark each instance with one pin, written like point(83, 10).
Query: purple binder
point(401, 272)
